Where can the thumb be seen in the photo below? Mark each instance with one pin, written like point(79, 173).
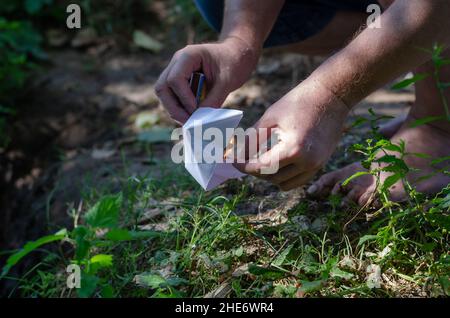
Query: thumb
point(255, 156)
point(266, 164)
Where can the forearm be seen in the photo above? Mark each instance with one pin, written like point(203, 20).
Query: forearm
point(378, 56)
point(249, 20)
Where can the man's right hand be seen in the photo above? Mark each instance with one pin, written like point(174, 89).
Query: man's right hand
point(226, 65)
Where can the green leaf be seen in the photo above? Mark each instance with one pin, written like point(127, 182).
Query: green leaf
point(429, 247)
point(444, 85)
point(426, 120)
point(439, 219)
point(31, 246)
point(440, 160)
point(337, 272)
point(445, 203)
point(387, 159)
point(390, 181)
point(149, 280)
point(366, 238)
point(157, 282)
point(409, 81)
point(105, 213)
point(108, 291)
point(309, 287)
point(387, 145)
point(396, 164)
point(34, 6)
point(267, 273)
point(282, 257)
point(176, 281)
point(354, 176)
point(420, 155)
point(239, 251)
point(118, 235)
point(102, 260)
point(442, 62)
point(88, 285)
point(359, 121)
point(82, 245)
point(145, 41)
point(445, 283)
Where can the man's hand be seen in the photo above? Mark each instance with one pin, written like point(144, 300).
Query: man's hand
point(226, 65)
point(309, 122)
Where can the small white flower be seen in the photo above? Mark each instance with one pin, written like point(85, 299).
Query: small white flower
point(385, 252)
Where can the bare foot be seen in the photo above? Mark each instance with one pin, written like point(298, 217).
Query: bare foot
point(424, 139)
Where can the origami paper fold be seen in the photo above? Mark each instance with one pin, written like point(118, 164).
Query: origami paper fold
point(209, 175)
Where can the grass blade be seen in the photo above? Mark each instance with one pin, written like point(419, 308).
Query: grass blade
point(409, 81)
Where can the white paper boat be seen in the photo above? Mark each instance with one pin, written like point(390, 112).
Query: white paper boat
point(209, 175)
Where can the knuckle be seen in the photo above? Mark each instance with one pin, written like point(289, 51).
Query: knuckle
point(159, 89)
point(178, 54)
point(325, 179)
point(173, 80)
point(184, 52)
point(188, 48)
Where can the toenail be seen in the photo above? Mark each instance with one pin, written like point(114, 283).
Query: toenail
point(312, 189)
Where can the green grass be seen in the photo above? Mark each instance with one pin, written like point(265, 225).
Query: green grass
point(197, 243)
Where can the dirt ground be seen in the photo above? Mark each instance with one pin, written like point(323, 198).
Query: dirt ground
point(77, 123)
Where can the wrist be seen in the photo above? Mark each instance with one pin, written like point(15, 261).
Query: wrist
point(325, 96)
point(246, 48)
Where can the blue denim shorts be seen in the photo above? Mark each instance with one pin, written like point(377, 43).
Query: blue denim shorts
point(297, 21)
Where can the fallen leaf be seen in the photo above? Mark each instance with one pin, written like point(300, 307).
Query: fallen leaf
point(146, 119)
point(220, 292)
point(145, 41)
point(100, 154)
point(374, 276)
point(241, 271)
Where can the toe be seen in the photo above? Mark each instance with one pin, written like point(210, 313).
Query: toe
point(397, 193)
point(337, 188)
point(352, 196)
point(367, 197)
point(322, 186)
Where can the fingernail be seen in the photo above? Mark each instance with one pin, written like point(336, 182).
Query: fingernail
point(312, 189)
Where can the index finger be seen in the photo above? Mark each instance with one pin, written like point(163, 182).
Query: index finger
point(178, 80)
point(268, 163)
point(169, 100)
